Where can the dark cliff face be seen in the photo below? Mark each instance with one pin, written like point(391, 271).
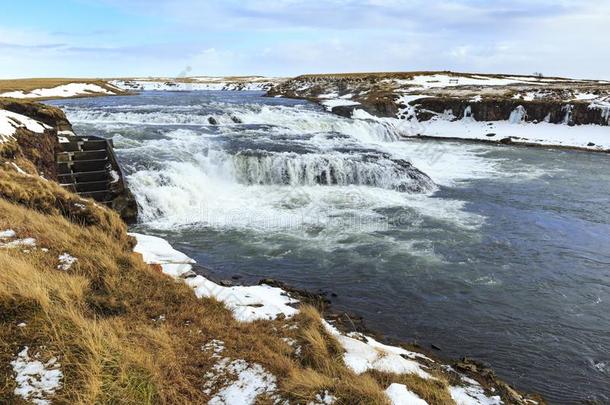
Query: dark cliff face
point(380, 96)
point(555, 112)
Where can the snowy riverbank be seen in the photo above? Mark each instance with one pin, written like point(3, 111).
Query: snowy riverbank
point(361, 353)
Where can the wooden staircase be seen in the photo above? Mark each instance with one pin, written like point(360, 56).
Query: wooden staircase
point(88, 167)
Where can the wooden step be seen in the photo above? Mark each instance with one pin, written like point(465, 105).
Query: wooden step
point(81, 155)
point(100, 175)
point(87, 186)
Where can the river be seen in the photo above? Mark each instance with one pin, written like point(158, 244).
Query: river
point(499, 253)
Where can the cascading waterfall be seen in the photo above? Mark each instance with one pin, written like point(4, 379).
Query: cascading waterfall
point(256, 167)
point(253, 159)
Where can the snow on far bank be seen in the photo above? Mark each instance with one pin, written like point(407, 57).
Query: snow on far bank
point(198, 83)
point(438, 80)
point(64, 90)
point(338, 102)
point(247, 303)
point(36, 381)
point(10, 122)
point(400, 395)
point(592, 137)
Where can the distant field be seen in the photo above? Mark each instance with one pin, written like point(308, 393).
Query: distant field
point(409, 75)
point(27, 85)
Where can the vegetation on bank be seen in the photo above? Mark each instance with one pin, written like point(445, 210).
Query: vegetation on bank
point(101, 86)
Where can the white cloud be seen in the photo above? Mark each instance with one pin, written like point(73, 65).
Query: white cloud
point(288, 37)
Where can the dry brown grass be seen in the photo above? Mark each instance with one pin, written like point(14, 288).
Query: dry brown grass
point(27, 85)
point(101, 318)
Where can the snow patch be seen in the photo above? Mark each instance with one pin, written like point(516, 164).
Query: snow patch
point(8, 234)
point(368, 354)
point(158, 251)
point(400, 395)
point(324, 398)
point(25, 242)
point(10, 122)
point(252, 380)
point(215, 346)
point(338, 102)
point(66, 261)
point(247, 303)
point(472, 394)
point(36, 381)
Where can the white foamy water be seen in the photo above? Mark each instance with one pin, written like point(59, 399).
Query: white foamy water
point(325, 177)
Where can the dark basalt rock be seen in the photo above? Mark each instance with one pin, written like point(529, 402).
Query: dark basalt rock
point(212, 121)
point(500, 109)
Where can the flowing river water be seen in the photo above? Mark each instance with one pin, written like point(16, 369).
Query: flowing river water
point(498, 253)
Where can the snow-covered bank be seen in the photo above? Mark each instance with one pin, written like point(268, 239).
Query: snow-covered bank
point(246, 83)
point(362, 353)
point(529, 110)
point(587, 137)
point(10, 122)
point(62, 91)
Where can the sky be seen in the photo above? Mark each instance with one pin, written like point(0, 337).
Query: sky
point(126, 38)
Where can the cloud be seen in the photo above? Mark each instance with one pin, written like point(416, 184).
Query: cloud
point(288, 37)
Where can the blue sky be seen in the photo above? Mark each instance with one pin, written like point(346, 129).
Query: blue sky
point(113, 38)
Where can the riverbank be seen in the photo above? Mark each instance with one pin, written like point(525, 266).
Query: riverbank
point(527, 110)
point(116, 329)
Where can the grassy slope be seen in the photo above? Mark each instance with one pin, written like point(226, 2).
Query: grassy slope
point(101, 318)
point(27, 85)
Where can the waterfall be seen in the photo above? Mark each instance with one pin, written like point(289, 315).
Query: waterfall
point(343, 169)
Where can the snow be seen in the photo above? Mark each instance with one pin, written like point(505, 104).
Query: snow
point(324, 398)
point(542, 133)
point(66, 261)
point(198, 83)
point(251, 381)
point(158, 251)
point(338, 102)
point(31, 242)
point(472, 394)
point(400, 395)
point(443, 80)
point(19, 169)
point(64, 90)
point(10, 122)
point(585, 96)
point(36, 381)
point(591, 137)
point(247, 303)
point(8, 234)
point(215, 346)
point(368, 354)
point(114, 176)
